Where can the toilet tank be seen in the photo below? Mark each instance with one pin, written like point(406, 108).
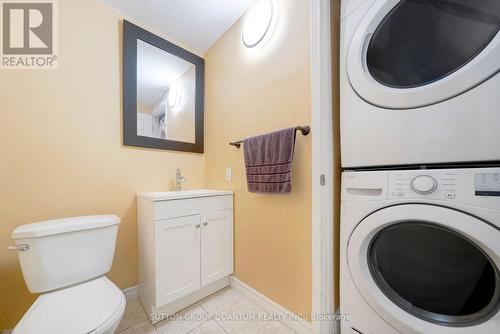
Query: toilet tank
point(64, 252)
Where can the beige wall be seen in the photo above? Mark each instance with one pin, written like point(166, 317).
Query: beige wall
point(253, 92)
point(61, 147)
point(181, 123)
point(144, 108)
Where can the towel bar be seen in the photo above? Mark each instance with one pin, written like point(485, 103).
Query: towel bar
point(305, 130)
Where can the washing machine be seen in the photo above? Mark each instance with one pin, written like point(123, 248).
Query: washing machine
point(420, 252)
point(419, 82)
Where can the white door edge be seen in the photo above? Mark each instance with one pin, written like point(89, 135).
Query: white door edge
point(322, 164)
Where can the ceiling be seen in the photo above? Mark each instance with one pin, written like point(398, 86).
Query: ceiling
point(197, 24)
point(156, 71)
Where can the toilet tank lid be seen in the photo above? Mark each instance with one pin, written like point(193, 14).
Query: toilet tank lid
point(64, 225)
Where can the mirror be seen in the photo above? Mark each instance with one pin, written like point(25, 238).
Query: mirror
point(163, 93)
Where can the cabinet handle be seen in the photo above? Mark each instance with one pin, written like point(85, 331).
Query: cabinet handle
point(197, 225)
point(205, 223)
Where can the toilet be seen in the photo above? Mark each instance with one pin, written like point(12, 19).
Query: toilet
point(65, 260)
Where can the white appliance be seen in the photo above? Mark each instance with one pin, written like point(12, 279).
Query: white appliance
point(65, 260)
point(419, 82)
point(420, 251)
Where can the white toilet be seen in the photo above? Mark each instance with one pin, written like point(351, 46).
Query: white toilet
point(65, 260)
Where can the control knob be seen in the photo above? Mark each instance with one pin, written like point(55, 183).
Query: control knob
point(424, 184)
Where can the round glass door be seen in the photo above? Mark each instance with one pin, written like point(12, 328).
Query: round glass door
point(409, 54)
point(422, 41)
point(425, 268)
point(434, 273)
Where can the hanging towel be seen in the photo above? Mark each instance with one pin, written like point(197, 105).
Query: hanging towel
point(268, 162)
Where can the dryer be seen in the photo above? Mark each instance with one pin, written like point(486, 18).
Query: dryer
point(420, 252)
point(420, 82)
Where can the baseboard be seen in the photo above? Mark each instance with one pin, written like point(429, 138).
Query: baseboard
point(158, 314)
point(301, 326)
point(131, 293)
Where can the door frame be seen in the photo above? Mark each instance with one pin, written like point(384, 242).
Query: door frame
point(323, 177)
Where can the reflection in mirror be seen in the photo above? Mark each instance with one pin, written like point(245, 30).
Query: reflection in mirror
point(166, 90)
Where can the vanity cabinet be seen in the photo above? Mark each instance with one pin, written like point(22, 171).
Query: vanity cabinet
point(216, 246)
point(185, 242)
point(178, 258)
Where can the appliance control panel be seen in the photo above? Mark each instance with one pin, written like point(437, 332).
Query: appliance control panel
point(472, 186)
point(421, 183)
point(415, 184)
point(487, 184)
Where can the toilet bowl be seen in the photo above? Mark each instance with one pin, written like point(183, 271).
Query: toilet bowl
point(65, 260)
point(94, 307)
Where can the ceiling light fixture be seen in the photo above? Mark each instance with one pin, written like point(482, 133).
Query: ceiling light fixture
point(258, 23)
point(174, 97)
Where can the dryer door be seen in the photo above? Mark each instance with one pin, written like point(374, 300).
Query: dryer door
point(428, 269)
point(413, 53)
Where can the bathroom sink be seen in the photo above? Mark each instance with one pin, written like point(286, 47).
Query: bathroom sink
point(172, 195)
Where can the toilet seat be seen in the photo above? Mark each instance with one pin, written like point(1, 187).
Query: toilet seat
point(91, 307)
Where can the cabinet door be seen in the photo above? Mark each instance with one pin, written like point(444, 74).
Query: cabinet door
point(177, 258)
point(216, 246)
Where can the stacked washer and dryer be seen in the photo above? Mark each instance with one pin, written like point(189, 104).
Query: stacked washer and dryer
point(420, 140)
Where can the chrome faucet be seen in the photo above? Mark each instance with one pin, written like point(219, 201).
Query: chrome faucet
point(179, 180)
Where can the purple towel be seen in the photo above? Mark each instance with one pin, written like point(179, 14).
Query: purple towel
point(268, 162)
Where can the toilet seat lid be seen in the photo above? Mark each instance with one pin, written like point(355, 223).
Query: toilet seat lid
point(77, 310)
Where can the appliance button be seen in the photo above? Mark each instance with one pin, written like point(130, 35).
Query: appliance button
point(424, 184)
point(450, 195)
point(400, 193)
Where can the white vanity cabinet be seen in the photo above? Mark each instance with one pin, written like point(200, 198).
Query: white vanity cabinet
point(185, 248)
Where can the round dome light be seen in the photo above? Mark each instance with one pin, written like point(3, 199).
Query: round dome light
point(174, 97)
point(257, 23)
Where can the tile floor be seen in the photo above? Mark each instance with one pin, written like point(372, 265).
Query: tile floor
point(225, 312)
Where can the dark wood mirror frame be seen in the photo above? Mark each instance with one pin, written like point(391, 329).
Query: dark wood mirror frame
point(131, 33)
